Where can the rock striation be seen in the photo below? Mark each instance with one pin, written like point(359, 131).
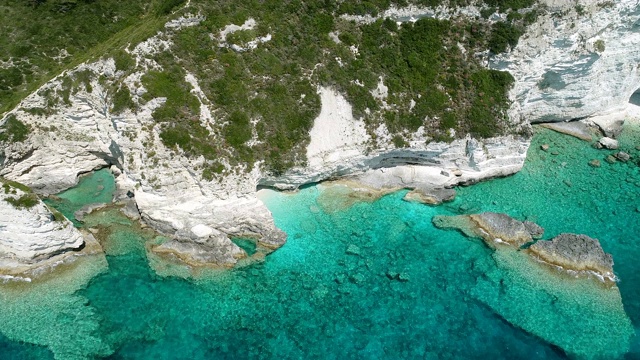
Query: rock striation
point(572, 253)
point(34, 239)
point(575, 61)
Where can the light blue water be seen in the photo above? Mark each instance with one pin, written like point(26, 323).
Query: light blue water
point(370, 281)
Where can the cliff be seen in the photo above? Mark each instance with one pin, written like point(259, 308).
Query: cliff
point(34, 238)
point(560, 70)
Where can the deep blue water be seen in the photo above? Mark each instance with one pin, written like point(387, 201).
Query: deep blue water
point(370, 280)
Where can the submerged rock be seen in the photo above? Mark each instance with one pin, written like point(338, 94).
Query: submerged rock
point(430, 196)
point(88, 209)
point(215, 251)
point(352, 249)
point(493, 228)
point(575, 252)
point(572, 253)
point(622, 156)
point(594, 163)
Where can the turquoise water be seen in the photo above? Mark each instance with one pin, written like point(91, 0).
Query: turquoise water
point(370, 280)
point(98, 187)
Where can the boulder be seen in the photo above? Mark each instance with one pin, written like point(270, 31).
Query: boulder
point(608, 143)
point(87, 209)
point(574, 252)
point(493, 228)
point(622, 156)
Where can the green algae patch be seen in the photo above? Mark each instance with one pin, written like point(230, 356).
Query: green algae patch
point(584, 318)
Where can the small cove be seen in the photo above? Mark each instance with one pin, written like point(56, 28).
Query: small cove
point(370, 280)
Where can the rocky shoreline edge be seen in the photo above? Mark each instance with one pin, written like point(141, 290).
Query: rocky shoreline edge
point(573, 254)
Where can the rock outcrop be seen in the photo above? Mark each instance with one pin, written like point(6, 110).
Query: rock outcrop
point(424, 165)
point(577, 60)
point(607, 143)
point(32, 237)
point(493, 228)
point(573, 254)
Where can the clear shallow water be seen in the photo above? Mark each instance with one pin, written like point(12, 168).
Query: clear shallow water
point(365, 281)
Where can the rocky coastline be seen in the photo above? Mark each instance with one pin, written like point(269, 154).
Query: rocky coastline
point(34, 239)
point(202, 216)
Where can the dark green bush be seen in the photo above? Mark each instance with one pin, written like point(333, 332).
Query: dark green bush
point(122, 100)
point(504, 5)
point(165, 7)
point(14, 130)
point(238, 130)
point(123, 61)
point(502, 36)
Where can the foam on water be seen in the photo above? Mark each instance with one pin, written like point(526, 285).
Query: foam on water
point(365, 280)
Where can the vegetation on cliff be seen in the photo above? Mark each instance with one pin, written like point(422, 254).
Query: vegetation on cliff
point(260, 81)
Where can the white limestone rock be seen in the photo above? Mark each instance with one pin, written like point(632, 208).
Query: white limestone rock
point(608, 143)
point(340, 147)
point(31, 237)
point(571, 65)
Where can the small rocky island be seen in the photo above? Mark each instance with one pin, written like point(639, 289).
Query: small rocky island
point(574, 254)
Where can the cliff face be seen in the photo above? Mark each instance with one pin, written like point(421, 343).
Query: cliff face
point(578, 60)
point(341, 147)
point(561, 73)
point(30, 234)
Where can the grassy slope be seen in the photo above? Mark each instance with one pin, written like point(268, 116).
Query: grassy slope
point(37, 32)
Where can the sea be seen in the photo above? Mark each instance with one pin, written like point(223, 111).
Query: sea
point(357, 278)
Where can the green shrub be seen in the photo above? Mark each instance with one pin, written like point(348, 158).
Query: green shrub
point(165, 7)
point(502, 36)
point(211, 169)
point(9, 185)
point(172, 136)
point(14, 130)
point(123, 61)
point(26, 201)
point(238, 130)
point(399, 142)
point(10, 78)
point(504, 5)
point(122, 100)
